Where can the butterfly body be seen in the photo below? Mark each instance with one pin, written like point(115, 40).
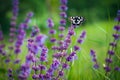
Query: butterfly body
point(77, 20)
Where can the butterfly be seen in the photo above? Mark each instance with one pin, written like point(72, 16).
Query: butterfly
point(77, 20)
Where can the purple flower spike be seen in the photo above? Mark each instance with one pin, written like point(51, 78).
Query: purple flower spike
point(4, 53)
point(12, 34)
point(63, 15)
point(63, 1)
point(94, 59)
point(29, 57)
point(40, 39)
point(113, 44)
point(10, 75)
point(116, 36)
point(107, 69)
point(63, 8)
point(49, 20)
point(55, 47)
point(41, 76)
point(108, 60)
point(92, 53)
point(83, 34)
point(9, 70)
point(65, 65)
point(13, 23)
point(42, 67)
point(13, 18)
point(47, 76)
point(117, 27)
point(76, 48)
point(1, 36)
point(7, 60)
point(17, 61)
point(96, 66)
point(118, 13)
point(60, 42)
point(118, 16)
point(61, 35)
point(17, 50)
point(30, 14)
point(50, 71)
point(2, 45)
point(55, 64)
point(63, 22)
point(53, 40)
point(71, 57)
point(13, 29)
point(117, 68)
point(61, 73)
point(35, 68)
point(61, 28)
point(80, 41)
point(43, 56)
point(111, 52)
point(35, 76)
point(71, 32)
point(15, 7)
point(52, 31)
point(50, 23)
point(57, 55)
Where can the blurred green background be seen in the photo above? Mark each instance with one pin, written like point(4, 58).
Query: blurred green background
point(99, 22)
point(92, 10)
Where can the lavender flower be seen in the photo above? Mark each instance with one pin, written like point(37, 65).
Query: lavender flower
point(113, 45)
point(15, 7)
point(35, 31)
point(36, 62)
point(65, 66)
point(43, 56)
point(13, 20)
point(25, 71)
point(76, 48)
point(1, 36)
point(52, 31)
point(107, 69)
point(29, 58)
point(61, 28)
point(53, 40)
point(10, 74)
point(50, 23)
point(40, 39)
point(42, 67)
point(61, 73)
point(93, 55)
point(63, 1)
point(55, 64)
point(118, 16)
point(71, 57)
point(63, 22)
point(82, 37)
point(63, 8)
point(35, 76)
point(21, 36)
point(117, 68)
point(63, 15)
point(117, 27)
point(2, 45)
point(16, 61)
